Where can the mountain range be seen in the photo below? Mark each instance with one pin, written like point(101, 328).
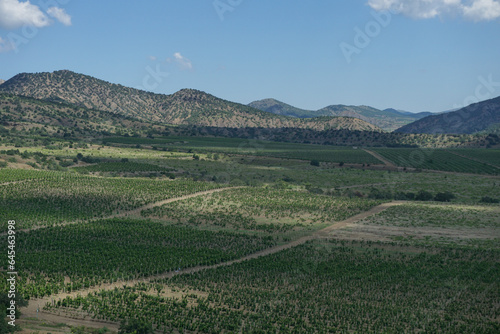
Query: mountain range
point(107, 101)
point(185, 107)
point(388, 119)
point(474, 118)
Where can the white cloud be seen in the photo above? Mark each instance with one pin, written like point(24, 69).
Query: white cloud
point(183, 62)
point(60, 15)
point(482, 10)
point(152, 58)
point(477, 10)
point(15, 14)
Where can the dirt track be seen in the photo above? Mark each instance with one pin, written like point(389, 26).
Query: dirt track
point(31, 310)
point(381, 158)
point(138, 210)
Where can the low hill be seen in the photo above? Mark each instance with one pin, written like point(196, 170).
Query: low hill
point(186, 107)
point(477, 117)
point(388, 120)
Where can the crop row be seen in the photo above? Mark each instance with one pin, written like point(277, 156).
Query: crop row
point(125, 167)
point(66, 197)
point(319, 288)
point(108, 250)
point(262, 209)
point(421, 215)
point(491, 156)
point(435, 160)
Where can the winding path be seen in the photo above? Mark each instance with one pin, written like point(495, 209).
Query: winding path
point(31, 310)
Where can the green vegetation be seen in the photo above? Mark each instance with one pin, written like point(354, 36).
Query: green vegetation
point(436, 160)
point(428, 264)
point(439, 215)
point(124, 167)
point(320, 153)
point(118, 249)
point(491, 156)
point(319, 287)
point(262, 209)
point(59, 197)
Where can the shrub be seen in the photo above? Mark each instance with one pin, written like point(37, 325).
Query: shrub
point(444, 197)
point(488, 199)
point(424, 196)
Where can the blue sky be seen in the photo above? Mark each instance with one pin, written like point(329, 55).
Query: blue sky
point(415, 55)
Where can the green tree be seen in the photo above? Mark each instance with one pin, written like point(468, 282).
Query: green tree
point(135, 326)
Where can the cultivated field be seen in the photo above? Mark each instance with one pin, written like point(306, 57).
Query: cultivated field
point(192, 235)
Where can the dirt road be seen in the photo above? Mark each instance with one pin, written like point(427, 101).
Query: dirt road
point(31, 310)
point(381, 158)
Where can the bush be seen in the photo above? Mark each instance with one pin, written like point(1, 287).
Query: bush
point(488, 199)
point(90, 160)
point(444, 197)
point(135, 326)
point(315, 163)
point(380, 194)
point(424, 196)
point(66, 163)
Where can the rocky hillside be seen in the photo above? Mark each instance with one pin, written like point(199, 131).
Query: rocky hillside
point(477, 117)
point(388, 120)
point(186, 107)
point(39, 117)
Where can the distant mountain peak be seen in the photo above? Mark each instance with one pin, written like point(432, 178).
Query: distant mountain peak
point(389, 119)
point(2, 81)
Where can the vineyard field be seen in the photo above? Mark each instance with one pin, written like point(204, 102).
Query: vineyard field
point(318, 287)
point(118, 249)
point(66, 197)
point(437, 159)
point(262, 209)
point(491, 156)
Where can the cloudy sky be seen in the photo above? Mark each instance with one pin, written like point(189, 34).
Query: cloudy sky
point(416, 55)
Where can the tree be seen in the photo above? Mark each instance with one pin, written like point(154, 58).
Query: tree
point(424, 195)
point(4, 303)
point(444, 197)
point(135, 326)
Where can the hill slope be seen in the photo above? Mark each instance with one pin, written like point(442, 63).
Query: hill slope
point(474, 118)
point(48, 118)
point(389, 119)
point(186, 107)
